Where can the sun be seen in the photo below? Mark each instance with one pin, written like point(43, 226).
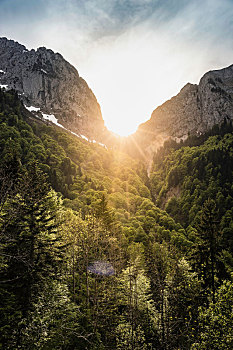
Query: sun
point(120, 125)
point(133, 74)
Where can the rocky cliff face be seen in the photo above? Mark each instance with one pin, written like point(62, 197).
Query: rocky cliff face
point(196, 109)
point(44, 79)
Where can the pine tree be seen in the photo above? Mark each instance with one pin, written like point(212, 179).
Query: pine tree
point(206, 250)
point(29, 243)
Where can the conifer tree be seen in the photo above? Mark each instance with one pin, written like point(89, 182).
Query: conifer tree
point(29, 242)
point(206, 250)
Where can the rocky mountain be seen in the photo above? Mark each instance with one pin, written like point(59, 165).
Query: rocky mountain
point(196, 109)
point(48, 83)
point(45, 80)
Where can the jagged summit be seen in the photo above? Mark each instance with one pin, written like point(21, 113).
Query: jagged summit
point(194, 110)
point(45, 80)
point(4, 42)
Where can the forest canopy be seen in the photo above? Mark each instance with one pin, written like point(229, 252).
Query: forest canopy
point(96, 254)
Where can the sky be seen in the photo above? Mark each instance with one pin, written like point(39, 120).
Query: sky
point(134, 54)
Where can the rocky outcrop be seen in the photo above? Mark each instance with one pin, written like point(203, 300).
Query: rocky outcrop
point(176, 116)
point(44, 79)
point(196, 109)
point(216, 97)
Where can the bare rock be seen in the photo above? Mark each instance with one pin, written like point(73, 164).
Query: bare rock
point(194, 110)
point(44, 79)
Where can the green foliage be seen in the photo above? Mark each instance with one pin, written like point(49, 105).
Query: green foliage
point(175, 292)
point(216, 323)
point(29, 245)
point(96, 255)
point(128, 338)
point(192, 175)
point(207, 249)
point(53, 320)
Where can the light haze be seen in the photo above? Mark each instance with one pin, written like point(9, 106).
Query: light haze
point(134, 54)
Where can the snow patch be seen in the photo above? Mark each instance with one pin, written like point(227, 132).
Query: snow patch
point(73, 133)
point(32, 109)
point(44, 71)
point(52, 118)
point(99, 143)
point(80, 136)
point(2, 71)
point(84, 137)
point(49, 117)
point(102, 144)
point(179, 139)
point(3, 86)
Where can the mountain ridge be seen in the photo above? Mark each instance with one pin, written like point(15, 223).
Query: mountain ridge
point(44, 79)
point(193, 111)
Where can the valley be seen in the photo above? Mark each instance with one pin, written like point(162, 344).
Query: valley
point(96, 250)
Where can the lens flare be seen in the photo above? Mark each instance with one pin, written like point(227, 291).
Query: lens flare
point(101, 268)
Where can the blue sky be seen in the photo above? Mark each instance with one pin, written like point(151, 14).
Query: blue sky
point(134, 54)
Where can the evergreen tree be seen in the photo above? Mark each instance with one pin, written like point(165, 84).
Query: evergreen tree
point(207, 248)
point(216, 322)
point(29, 242)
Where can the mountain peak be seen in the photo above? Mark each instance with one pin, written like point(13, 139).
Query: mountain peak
point(194, 110)
point(4, 42)
point(187, 87)
point(44, 79)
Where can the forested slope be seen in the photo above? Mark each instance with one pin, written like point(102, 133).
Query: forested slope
point(89, 260)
